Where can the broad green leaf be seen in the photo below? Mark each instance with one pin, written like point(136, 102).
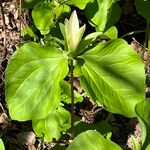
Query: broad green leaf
point(142, 110)
point(81, 4)
point(102, 127)
point(92, 140)
point(103, 13)
point(143, 7)
point(42, 15)
point(1, 145)
point(52, 126)
point(32, 81)
point(113, 75)
point(66, 93)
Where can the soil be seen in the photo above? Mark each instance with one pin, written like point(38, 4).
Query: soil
point(20, 135)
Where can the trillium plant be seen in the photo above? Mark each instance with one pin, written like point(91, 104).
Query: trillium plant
point(110, 72)
point(72, 35)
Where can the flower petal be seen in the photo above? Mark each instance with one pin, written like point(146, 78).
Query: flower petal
point(74, 22)
point(62, 28)
point(68, 33)
point(77, 37)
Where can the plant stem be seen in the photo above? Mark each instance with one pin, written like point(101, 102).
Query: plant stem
point(148, 37)
point(4, 25)
point(72, 99)
point(20, 14)
point(133, 32)
point(146, 34)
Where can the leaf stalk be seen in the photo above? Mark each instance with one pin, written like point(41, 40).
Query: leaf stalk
point(72, 99)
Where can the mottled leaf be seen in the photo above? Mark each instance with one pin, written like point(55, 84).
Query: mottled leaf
point(113, 75)
point(92, 140)
point(32, 81)
point(52, 126)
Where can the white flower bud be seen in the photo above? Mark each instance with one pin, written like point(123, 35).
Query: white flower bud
point(71, 32)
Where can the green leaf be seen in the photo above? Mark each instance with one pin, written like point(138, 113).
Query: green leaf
point(136, 144)
point(78, 3)
point(27, 30)
point(148, 147)
point(30, 3)
point(87, 41)
point(32, 81)
point(102, 127)
point(143, 7)
point(1, 145)
point(60, 9)
point(142, 110)
point(92, 140)
point(114, 14)
point(46, 14)
point(58, 147)
point(66, 93)
point(112, 33)
point(52, 126)
point(42, 15)
point(103, 13)
point(113, 75)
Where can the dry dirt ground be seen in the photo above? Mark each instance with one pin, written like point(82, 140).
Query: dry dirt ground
point(20, 136)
